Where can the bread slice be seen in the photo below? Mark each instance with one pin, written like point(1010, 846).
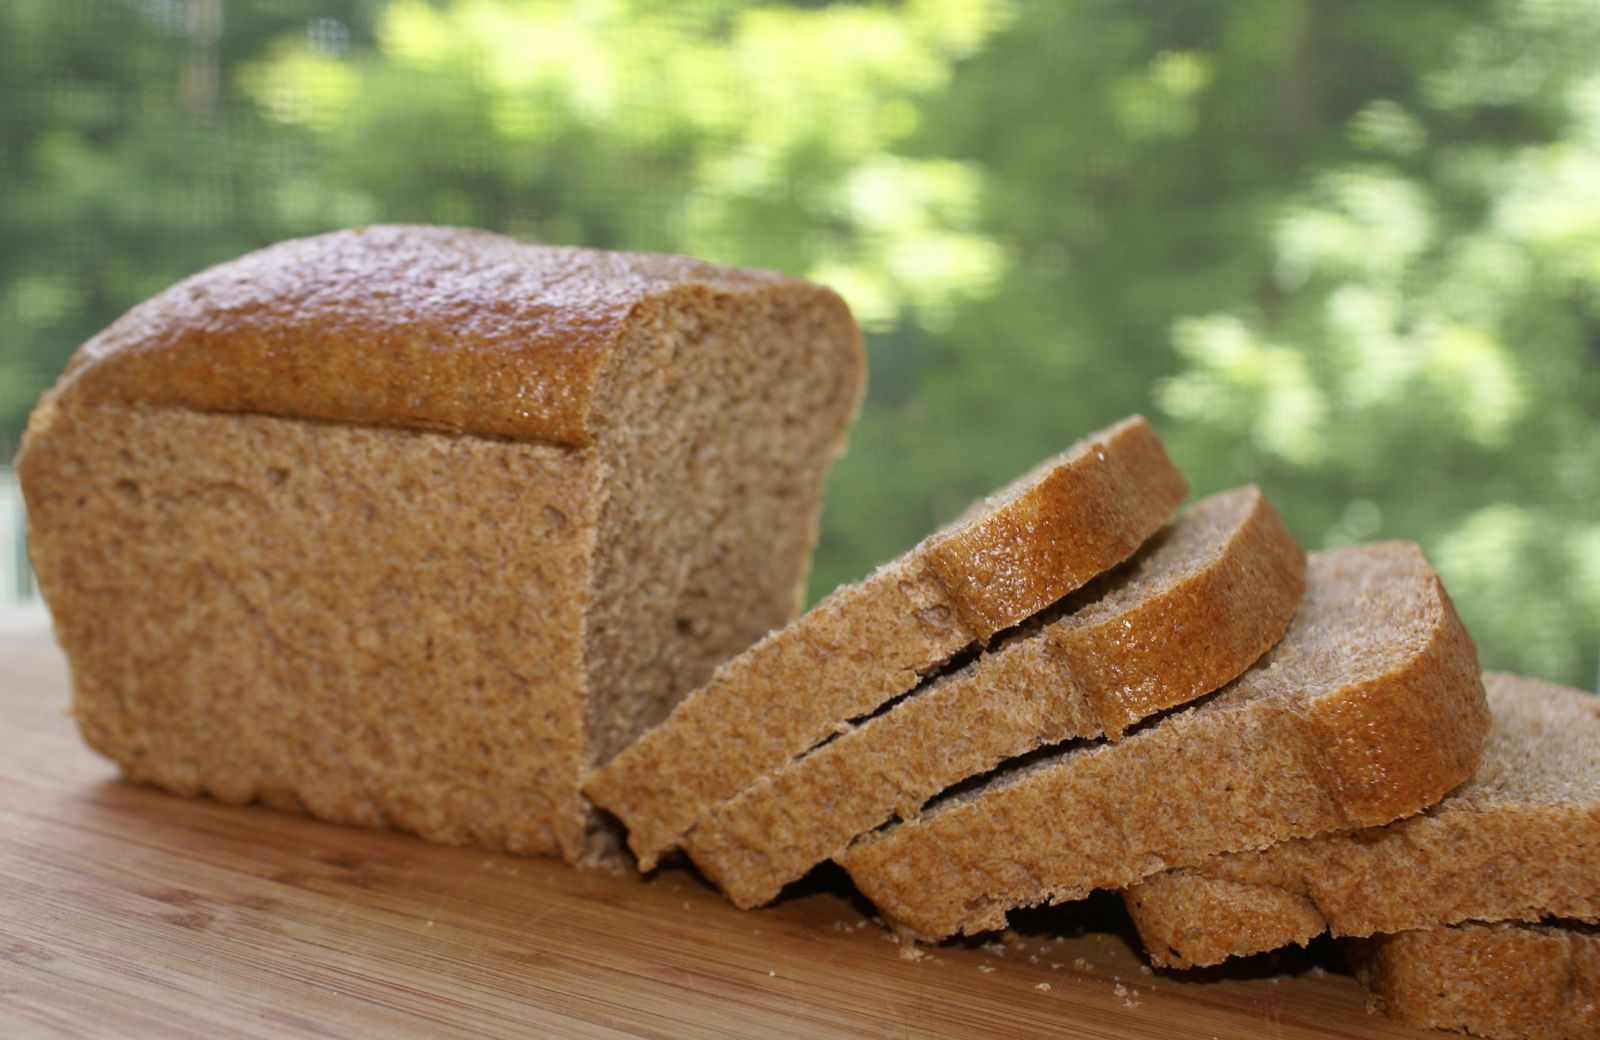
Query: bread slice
point(413, 526)
point(1519, 841)
point(1500, 981)
point(1369, 709)
point(1200, 602)
point(1011, 556)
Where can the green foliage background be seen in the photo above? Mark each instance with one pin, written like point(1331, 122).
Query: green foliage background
point(1350, 251)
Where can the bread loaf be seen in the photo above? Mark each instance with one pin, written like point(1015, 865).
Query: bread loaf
point(413, 526)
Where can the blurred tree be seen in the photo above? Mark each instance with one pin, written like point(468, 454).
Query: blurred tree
point(1344, 250)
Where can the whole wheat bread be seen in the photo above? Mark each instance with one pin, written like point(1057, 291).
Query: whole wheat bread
point(412, 526)
point(1198, 603)
point(1519, 841)
point(1499, 981)
point(1370, 708)
point(1009, 557)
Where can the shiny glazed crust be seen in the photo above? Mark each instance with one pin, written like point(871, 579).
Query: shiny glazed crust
point(419, 327)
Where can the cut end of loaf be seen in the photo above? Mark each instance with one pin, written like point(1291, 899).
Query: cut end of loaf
point(721, 415)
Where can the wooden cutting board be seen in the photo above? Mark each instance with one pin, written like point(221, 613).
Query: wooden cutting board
point(129, 912)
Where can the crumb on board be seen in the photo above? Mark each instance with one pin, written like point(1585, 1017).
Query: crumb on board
point(1043, 987)
point(986, 968)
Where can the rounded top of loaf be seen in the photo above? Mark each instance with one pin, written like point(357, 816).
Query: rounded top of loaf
point(405, 325)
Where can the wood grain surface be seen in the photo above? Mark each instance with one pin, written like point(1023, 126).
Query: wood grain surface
point(128, 912)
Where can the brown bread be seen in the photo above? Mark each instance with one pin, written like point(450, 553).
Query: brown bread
point(1369, 709)
point(1520, 840)
point(413, 526)
point(1009, 557)
point(1499, 981)
point(1198, 604)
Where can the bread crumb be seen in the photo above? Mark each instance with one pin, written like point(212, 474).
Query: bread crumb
point(1033, 958)
point(986, 968)
point(1144, 969)
point(1119, 990)
point(911, 952)
point(772, 974)
point(1318, 970)
point(1043, 987)
point(996, 948)
point(1056, 965)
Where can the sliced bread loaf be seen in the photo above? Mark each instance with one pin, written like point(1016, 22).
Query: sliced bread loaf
point(412, 526)
point(1370, 708)
point(1009, 557)
point(1499, 981)
point(1519, 841)
point(1200, 602)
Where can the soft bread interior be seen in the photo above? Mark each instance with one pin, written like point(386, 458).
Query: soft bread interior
point(719, 419)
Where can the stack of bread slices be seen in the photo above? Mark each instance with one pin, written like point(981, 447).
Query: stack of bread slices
point(1079, 685)
point(428, 528)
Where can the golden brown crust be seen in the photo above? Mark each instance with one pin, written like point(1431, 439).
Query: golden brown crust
point(1185, 617)
point(868, 642)
point(1249, 767)
point(1432, 719)
point(1498, 981)
point(398, 325)
point(1520, 840)
point(1011, 562)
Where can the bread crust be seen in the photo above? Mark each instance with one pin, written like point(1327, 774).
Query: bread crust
point(1049, 533)
point(1498, 981)
point(1254, 765)
point(1188, 615)
point(1488, 851)
point(428, 328)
